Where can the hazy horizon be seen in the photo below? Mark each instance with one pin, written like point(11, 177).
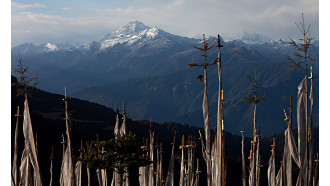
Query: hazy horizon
point(225, 36)
point(84, 21)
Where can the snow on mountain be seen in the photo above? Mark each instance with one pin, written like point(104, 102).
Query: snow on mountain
point(91, 46)
point(30, 48)
point(246, 37)
point(252, 38)
point(51, 47)
point(135, 34)
point(130, 29)
point(152, 32)
point(129, 33)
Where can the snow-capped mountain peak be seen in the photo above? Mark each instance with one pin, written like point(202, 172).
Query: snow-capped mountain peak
point(130, 29)
point(51, 47)
point(129, 33)
point(152, 32)
point(133, 35)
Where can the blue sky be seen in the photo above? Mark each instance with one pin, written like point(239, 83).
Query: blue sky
point(88, 20)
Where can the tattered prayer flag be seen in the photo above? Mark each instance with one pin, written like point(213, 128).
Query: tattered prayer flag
point(29, 142)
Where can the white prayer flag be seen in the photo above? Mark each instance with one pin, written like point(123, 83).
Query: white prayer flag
point(279, 177)
point(65, 177)
point(123, 127)
point(160, 165)
point(25, 168)
point(182, 167)
point(271, 170)
point(301, 118)
point(99, 176)
point(151, 166)
point(157, 183)
point(115, 175)
point(302, 129)
point(143, 176)
point(170, 172)
point(252, 175)
point(287, 161)
point(207, 131)
point(77, 171)
point(257, 165)
point(116, 129)
point(104, 177)
point(29, 141)
point(214, 162)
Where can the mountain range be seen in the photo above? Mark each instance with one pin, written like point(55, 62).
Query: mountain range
point(147, 67)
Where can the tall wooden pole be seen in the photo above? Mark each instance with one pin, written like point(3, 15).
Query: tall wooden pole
point(258, 164)
point(205, 109)
point(51, 167)
point(291, 108)
point(15, 162)
point(310, 133)
point(305, 47)
point(290, 125)
point(68, 131)
point(220, 119)
point(243, 161)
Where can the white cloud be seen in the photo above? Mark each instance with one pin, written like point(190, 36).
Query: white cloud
point(20, 6)
point(43, 28)
point(39, 18)
point(192, 17)
point(66, 8)
point(129, 11)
